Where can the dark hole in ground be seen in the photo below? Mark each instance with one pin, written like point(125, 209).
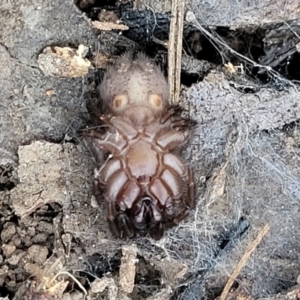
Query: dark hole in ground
point(251, 42)
point(189, 79)
point(245, 89)
point(289, 128)
point(6, 176)
point(98, 264)
point(4, 292)
point(235, 233)
point(7, 216)
point(292, 67)
point(48, 212)
point(91, 7)
point(147, 279)
point(7, 186)
point(245, 41)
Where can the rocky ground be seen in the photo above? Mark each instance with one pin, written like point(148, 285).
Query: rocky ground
point(240, 83)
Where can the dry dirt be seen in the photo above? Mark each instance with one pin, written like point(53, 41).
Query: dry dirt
point(55, 241)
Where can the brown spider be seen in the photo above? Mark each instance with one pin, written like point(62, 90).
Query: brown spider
point(145, 182)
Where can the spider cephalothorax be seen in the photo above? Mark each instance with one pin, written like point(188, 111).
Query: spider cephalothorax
point(144, 181)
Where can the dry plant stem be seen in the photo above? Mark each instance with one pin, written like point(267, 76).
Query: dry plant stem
point(75, 280)
point(243, 261)
point(175, 49)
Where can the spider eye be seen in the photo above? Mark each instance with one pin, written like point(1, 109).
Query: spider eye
point(120, 101)
point(155, 100)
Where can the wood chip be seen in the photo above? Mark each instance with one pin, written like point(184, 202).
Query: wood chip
point(127, 268)
point(107, 26)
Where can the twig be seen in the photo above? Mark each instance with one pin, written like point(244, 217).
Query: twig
point(175, 49)
point(243, 261)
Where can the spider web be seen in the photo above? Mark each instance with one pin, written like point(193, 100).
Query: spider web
point(246, 146)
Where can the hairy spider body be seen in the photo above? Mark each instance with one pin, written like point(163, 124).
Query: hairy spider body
point(144, 180)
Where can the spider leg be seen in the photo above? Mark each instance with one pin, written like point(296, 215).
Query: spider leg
point(124, 225)
point(190, 201)
point(168, 115)
point(105, 119)
point(123, 127)
point(111, 142)
point(178, 122)
point(172, 139)
point(96, 188)
point(115, 139)
point(176, 220)
point(166, 121)
point(111, 216)
point(191, 189)
point(95, 134)
point(156, 231)
point(120, 223)
point(170, 119)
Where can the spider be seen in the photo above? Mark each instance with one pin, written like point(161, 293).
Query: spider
point(145, 182)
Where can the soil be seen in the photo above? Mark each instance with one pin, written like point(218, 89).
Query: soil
point(239, 83)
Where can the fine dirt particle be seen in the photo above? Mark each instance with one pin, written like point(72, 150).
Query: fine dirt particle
point(3, 274)
point(164, 294)
point(99, 285)
point(107, 16)
point(37, 254)
point(45, 227)
point(16, 257)
point(8, 249)
point(9, 230)
point(171, 270)
point(73, 296)
point(102, 60)
point(40, 238)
